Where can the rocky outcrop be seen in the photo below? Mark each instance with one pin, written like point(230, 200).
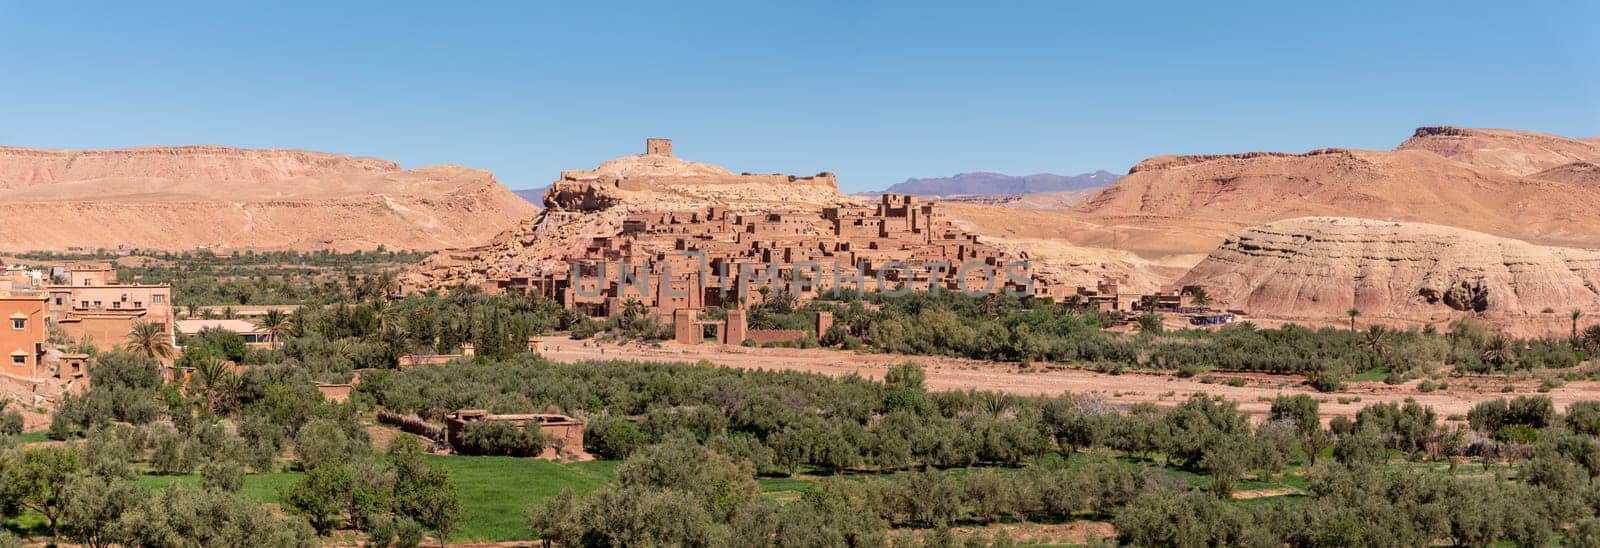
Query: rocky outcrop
point(1513, 152)
point(178, 198)
point(582, 205)
point(1484, 180)
point(665, 183)
point(1584, 174)
point(1317, 268)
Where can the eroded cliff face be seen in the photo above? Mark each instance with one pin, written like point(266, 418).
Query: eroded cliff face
point(26, 167)
point(177, 198)
point(1519, 153)
point(1316, 269)
point(1484, 180)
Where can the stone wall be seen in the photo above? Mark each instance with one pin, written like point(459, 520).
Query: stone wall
point(761, 337)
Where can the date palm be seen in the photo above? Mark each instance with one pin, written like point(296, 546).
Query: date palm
point(1377, 340)
point(150, 340)
point(1201, 298)
point(1498, 352)
point(1591, 339)
point(213, 380)
point(633, 310)
point(1353, 312)
point(276, 323)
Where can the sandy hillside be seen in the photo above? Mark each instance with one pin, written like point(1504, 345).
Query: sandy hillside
point(209, 196)
point(1317, 268)
point(1483, 180)
point(583, 204)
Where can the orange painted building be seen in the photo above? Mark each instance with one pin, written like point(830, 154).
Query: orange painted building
point(94, 308)
point(24, 333)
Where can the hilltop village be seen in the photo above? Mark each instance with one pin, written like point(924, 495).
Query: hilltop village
point(677, 264)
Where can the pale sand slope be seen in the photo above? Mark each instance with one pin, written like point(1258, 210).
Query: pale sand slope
point(1315, 269)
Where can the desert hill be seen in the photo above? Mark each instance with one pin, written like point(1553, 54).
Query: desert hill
point(185, 197)
point(534, 196)
point(1484, 180)
point(661, 182)
point(1315, 269)
point(1503, 150)
point(585, 204)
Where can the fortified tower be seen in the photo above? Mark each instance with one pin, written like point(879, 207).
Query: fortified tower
point(658, 147)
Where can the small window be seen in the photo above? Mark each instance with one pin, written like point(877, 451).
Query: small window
point(19, 360)
point(19, 324)
point(158, 299)
point(137, 304)
point(58, 301)
point(83, 304)
point(116, 304)
point(98, 304)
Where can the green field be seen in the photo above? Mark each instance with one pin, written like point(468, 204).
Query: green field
point(495, 490)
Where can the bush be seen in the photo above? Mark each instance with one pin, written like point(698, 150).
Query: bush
point(222, 475)
point(611, 437)
point(1517, 433)
point(502, 438)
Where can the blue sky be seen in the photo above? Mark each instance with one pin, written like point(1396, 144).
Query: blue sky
point(876, 92)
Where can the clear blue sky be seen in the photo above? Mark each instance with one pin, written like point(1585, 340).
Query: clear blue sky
point(876, 92)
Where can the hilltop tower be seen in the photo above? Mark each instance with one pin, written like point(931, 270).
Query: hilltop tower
point(658, 147)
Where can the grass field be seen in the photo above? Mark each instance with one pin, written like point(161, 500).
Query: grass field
point(497, 490)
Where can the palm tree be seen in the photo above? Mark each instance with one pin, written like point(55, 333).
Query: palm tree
point(633, 310)
point(1575, 315)
point(1498, 352)
point(1353, 312)
point(1591, 339)
point(276, 323)
point(192, 309)
point(214, 379)
point(1201, 298)
point(149, 339)
point(1074, 302)
point(990, 305)
point(1377, 340)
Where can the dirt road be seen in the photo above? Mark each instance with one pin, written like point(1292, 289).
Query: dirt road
point(1127, 388)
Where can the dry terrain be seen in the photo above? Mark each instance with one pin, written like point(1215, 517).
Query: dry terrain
point(1524, 185)
point(1128, 388)
point(178, 198)
point(1314, 269)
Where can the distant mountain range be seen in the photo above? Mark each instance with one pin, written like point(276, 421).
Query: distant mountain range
point(984, 182)
point(534, 196)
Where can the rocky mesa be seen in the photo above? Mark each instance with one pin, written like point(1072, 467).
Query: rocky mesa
point(1517, 184)
point(187, 197)
point(1315, 269)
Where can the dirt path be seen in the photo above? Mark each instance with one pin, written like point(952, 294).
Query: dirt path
point(1127, 388)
